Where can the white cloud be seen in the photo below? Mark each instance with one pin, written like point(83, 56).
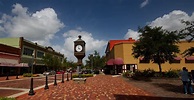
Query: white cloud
point(91, 43)
point(172, 21)
point(143, 4)
point(131, 34)
point(40, 26)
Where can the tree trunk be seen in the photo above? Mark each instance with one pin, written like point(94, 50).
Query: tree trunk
point(160, 68)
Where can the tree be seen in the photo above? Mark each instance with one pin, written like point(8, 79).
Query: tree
point(156, 44)
point(95, 61)
point(56, 63)
point(51, 62)
point(48, 61)
point(68, 64)
point(188, 32)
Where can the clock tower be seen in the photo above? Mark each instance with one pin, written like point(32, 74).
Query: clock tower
point(79, 50)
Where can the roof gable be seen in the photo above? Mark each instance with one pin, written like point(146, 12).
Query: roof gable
point(112, 43)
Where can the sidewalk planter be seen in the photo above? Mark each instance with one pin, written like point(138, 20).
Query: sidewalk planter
point(82, 75)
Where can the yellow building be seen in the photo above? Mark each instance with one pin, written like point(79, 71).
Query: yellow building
point(120, 51)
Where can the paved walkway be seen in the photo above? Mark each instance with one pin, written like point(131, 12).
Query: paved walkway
point(100, 87)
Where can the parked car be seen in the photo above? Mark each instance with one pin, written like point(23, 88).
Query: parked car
point(60, 72)
point(49, 72)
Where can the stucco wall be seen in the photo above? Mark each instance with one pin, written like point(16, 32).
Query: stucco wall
point(124, 50)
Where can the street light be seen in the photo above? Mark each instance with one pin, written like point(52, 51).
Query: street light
point(32, 63)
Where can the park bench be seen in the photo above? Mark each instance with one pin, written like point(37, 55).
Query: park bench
point(79, 80)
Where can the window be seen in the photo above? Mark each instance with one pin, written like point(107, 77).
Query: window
point(175, 60)
point(28, 51)
point(40, 54)
point(189, 59)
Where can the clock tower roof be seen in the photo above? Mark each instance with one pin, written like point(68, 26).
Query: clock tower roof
point(79, 39)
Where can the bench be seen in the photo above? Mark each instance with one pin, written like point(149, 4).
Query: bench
point(79, 80)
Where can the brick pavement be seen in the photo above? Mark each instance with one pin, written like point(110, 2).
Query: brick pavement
point(100, 87)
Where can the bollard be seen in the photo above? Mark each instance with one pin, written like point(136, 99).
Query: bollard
point(7, 78)
point(71, 75)
point(62, 78)
point(46, 85)
point(31, 92)
point(67, 77)
point(55, 82)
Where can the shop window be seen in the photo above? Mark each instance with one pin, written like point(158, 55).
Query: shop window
point(40, 54)
point(28, 51)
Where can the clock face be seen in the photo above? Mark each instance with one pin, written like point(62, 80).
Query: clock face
point(78, 48)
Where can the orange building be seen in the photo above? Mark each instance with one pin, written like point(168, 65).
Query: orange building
point(120, 59)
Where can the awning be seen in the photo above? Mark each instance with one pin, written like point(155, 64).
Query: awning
point(118, 61)
point(6, 64)
point(22, 65)
point(14, 65)
point(177, 58)
point(190, 58)
point(110, 62)
point(8, 61)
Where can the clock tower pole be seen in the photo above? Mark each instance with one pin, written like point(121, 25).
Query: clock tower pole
point(79, 51)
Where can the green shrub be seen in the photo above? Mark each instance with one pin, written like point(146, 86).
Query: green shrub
point(5, 98)
point(128, 74)
point(82, 75)
point(148, 72)
point(27, 75)
point(172, 73)
point(96, 71)
point(137, 74)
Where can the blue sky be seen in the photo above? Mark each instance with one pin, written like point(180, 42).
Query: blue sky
point(57, 23)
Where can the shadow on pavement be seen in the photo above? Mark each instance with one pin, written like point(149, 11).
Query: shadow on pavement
point(170, 87)
point(139, 97)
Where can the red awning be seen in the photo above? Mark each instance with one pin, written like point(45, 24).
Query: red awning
point(14, 65)
point(6, 64)
point(177, 58)
point(190, 58)
point(118, 61)
point(110, 62)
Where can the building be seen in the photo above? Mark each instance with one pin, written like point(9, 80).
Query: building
point(120, 59)
point(18, 56)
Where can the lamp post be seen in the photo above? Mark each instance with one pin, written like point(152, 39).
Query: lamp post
point(31, 92)
point(32, 63)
